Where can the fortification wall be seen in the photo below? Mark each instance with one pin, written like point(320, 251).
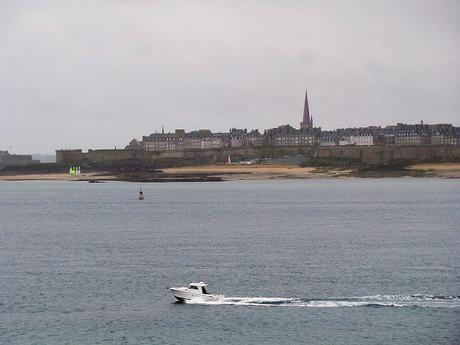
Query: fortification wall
point(18, 160)
point(69, 157)
point(372, 155)
point(111, 156)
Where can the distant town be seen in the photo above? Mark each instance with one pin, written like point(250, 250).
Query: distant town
point(434, 142)
point(305, 135)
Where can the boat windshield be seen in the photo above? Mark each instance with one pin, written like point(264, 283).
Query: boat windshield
point(193, 287)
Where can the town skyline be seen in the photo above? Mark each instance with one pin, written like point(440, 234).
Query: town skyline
point(306, 124)
point(163, 128)
point(94, 74)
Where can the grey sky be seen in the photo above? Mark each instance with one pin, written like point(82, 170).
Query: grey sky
point(95, 74)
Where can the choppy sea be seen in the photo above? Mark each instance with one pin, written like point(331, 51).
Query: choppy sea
point(352, 261)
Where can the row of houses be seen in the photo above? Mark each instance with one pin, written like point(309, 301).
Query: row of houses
point(400, 134)
point(200, 139)
point(419, 134)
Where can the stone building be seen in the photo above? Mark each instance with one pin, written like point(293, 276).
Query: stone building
point(134, 145)
point(180, 140)
point(224, 137)
point(328, 138)
point(243, 138)
point(289, 136)
point(444, 134)
point(199, 139)
point(255, 138)
point(411, 134)
point(160, 142)
point(362, 136)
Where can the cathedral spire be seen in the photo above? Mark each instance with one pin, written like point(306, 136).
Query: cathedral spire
point(307, 120)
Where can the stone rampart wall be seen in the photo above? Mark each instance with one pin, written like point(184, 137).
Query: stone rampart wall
point(16, 160)
point(371, 155)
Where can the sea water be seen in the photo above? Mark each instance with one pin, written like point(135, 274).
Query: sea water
point(352, 261)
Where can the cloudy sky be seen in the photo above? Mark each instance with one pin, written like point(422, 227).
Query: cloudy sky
point(95, 74)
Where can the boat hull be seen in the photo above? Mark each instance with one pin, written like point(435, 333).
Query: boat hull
point(183, 295)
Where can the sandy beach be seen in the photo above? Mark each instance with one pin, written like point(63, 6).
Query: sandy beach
point(448, 170)
point(249, 172)
point(246, 172)
point(263, 172)
point(226, 172)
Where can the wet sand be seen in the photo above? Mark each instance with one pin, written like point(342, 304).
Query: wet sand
point(265, 172)
point(251, 172)
point(447, 170)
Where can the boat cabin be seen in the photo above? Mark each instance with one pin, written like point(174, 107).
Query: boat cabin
point(200, 287)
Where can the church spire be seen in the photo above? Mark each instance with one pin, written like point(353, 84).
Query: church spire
point(307, 120)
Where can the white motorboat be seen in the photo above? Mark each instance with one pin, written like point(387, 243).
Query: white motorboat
point(193, 291)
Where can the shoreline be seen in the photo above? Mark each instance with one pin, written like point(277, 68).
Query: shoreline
point(205, 173)
point(58, 177)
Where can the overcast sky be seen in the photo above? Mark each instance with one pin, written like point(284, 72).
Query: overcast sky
point(95, 74)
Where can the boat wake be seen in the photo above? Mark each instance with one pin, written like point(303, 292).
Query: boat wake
point(417, 300)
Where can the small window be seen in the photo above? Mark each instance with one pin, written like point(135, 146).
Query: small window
point(193, 287)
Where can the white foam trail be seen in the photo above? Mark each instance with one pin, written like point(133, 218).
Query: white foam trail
point(416, 300)
point(260, 301)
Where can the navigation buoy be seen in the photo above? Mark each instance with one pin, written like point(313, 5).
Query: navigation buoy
point(141, 194)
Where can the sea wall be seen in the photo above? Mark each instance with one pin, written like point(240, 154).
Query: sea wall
point(7, 159)
point(370, 155)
